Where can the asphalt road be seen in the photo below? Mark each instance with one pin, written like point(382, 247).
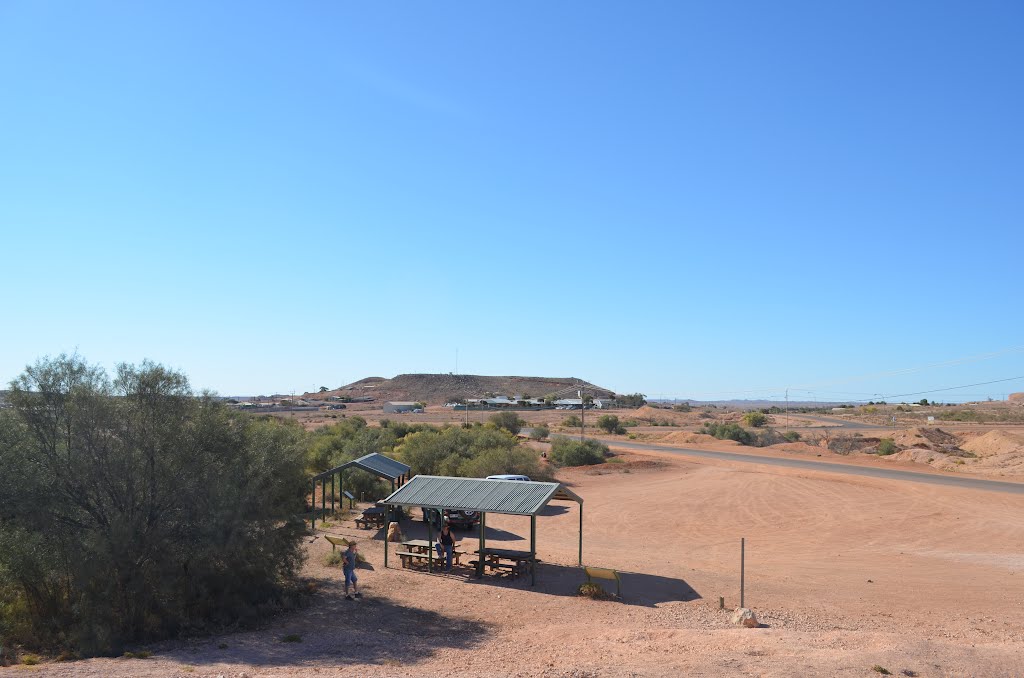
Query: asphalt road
point(795, 420)
point(827, 467)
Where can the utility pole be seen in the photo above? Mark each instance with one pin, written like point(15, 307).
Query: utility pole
point(583, 414)
point(787, 408)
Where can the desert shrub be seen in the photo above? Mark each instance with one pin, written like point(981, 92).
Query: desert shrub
point(539, 432)
point(332, 558)
point(133, 508)
point(609, 423)
point(593, 591)
point(887, 446)
point(572, 421)
point(442, 452)
point(682, 407)
point(633, 400)
point(630, 423)
point(571, 452)
point(510, 421)
point(755, 419)
point(791, 436)
point(728, 431)
point(516, 460)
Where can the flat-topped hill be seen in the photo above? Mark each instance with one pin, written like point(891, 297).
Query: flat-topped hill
point(437, 389)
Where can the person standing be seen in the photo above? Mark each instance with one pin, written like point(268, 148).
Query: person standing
point(349, 559)
point(446, 546)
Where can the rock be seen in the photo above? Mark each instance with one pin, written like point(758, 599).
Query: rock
point(744, 617)
point(394, 533)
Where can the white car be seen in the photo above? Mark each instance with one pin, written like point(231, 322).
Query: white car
point(508, 477)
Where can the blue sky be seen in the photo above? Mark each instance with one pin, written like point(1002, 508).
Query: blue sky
point(683, 199)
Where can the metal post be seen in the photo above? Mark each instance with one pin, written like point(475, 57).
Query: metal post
point(323, 497)
point(387, 528)
point(341, 482)
point(430, 543)
point(483, 544)
point(743, 548)
point(333, 495)
point(581, 536)
point(533, 550)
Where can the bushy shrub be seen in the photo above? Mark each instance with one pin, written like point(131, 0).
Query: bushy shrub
point(791, 436)
point(516, 461)
point(571, 452)
point(133, 509)
point(443, 452)
point(572, 421)
point(755, 419)
point(539, 432)
point(887, 446)
point(510, 421)
point(609, 423)
point(728, 431)
point(593, 591)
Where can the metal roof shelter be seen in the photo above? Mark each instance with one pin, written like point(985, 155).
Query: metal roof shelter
point(509, 497)
point(377, 464)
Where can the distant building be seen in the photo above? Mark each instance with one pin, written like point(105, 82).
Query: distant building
point(399, 406)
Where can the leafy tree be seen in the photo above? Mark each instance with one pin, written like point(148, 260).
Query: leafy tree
point(442, 451)
point(923, 401)
point(634, 400)
point(323, 389)
point(572, 452)
point(755, 419)
point(729, 431)
point(132, 508)
point(609, 423)
point(515, 460)
point(509, 421)
point(539, 432)
point(572, 421)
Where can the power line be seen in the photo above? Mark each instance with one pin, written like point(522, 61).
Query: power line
point(954, 388)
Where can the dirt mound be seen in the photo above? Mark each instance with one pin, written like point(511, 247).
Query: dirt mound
point(800, 448)
point(687, 438)
point(928, 438)
point(437, 389)
point(1016, 397)
point(995, 442)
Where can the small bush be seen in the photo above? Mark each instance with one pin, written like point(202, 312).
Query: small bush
point(593, 591)
point(510, 421)
point(539, 432)
point(791, 436)
point(755, 419)
point(729, 431)
point(572, 421)
point(332, 559)
point(569, 452)
point(141, 654)
point(881, 669)
point(30, 659)
point(609, 423)
point(887, 446)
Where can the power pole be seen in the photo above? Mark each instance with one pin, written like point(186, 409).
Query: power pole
point(583, 415)
point(787, 408)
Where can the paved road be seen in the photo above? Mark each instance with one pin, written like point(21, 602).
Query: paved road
point(827, 467)
point(827, 421)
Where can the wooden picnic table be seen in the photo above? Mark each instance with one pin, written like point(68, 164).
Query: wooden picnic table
point(520, 561)
point(372, 516)
point(420, 550)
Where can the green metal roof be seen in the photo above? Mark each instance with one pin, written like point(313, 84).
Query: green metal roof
point(377, 464)
point(512, 497)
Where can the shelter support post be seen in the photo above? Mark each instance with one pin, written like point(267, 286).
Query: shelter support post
point(341, 489)
point(430, 542)
point(533, 550)
point(387, 528)
point(323, 497)
point(332, 493)
point(580, 563)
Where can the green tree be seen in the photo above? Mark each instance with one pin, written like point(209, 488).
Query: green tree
point(441, 452)
point(634, 400)
point(755, 419)
point(572, 421)
point(572, 452)
point(132, 508)
point(323, 389)
point(539, 432)
point(510, 421)
point(609, 423)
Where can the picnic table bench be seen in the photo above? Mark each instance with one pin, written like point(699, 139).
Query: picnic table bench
point(375, 516)
point(516, 562)
point(419, 549)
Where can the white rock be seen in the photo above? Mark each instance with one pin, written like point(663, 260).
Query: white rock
point(744, 617)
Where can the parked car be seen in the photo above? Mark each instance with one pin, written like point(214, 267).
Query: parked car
point(508, 476)
point(465, 519)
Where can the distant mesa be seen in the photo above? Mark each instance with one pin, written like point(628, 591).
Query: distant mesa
point(437, 389)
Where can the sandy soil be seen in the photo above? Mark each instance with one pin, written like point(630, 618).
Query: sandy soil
point(844, 572)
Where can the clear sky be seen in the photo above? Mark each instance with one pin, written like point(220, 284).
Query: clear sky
point(718, 199)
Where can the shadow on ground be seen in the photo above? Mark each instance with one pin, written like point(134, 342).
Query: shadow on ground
point(338, 631)
point(637, 588)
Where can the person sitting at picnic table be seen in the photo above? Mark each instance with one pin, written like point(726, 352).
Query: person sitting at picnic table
point(349, 558)
point(445, 546)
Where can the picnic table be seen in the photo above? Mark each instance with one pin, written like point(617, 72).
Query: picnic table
point(373, 516)
point(418, 550)
point(516, 562)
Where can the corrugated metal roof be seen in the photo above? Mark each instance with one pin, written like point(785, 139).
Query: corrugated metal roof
point(375, 463)
point(513, 497)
